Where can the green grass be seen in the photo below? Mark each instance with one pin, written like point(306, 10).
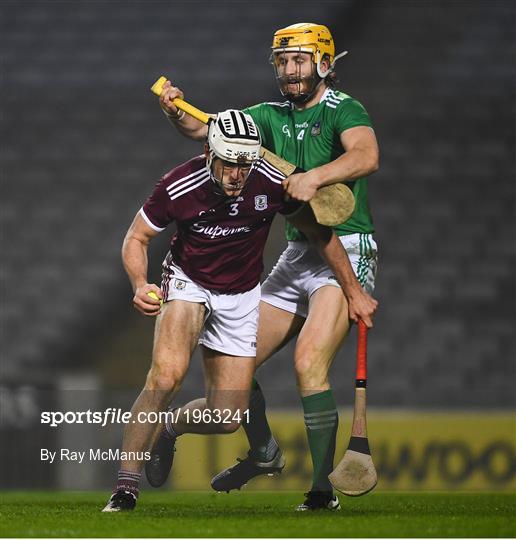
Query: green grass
point(258, 514)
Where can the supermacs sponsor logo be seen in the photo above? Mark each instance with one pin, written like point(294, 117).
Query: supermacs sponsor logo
point(215, 231)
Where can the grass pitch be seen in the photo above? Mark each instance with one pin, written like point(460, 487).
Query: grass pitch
point(257, 514)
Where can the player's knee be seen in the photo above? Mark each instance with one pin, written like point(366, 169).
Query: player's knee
point(305, 366)
point(226, 414)
point(309, 372)
point(229, 427)
point(163, 378)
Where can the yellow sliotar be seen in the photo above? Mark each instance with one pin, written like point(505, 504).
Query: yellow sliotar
point(152, 294)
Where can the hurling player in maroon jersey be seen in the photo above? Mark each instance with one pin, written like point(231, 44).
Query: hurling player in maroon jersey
point(223, 204)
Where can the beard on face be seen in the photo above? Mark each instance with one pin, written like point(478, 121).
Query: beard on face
point(305, 88)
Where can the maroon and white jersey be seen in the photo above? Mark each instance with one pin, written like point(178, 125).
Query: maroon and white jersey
point(220, 240)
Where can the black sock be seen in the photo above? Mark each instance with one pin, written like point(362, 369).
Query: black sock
point(263, 444)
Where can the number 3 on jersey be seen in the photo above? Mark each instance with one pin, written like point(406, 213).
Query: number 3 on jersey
point(234, 209)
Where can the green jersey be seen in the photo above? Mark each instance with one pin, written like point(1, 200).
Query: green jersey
point(310, 138)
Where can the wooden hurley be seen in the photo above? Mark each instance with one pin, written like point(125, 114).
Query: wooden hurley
point(331, 205)
point(355, 475)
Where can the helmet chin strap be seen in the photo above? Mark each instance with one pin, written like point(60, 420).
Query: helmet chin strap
point(324, 74)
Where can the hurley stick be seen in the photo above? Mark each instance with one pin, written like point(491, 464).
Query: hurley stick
point(331, 205)
point(355, 474)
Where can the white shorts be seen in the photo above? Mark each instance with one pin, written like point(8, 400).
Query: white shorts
point(231, 320)
point(300, 271)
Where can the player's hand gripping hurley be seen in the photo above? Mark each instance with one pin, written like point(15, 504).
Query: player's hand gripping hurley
point(355, 474)
point(331, 205)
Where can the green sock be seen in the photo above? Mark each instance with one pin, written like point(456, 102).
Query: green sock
point(263, 445)
point(321, 421)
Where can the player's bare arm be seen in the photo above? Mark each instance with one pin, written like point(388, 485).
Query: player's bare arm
point(360, 159)
point(360, 304)
point(134, 256)
point(184, 123)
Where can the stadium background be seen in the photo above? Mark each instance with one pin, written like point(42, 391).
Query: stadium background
point(84, 142)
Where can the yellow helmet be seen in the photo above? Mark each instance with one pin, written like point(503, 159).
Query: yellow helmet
point(306, 37)
point(311, 38)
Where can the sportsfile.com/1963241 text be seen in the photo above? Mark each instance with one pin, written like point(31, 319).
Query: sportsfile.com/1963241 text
point(113, 415)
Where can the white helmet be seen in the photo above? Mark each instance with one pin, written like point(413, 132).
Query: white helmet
point(234, 137)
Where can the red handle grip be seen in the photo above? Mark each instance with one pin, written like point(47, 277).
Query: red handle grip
point(362, 351)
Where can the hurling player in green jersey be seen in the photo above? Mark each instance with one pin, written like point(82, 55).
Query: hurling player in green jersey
point(328, 134)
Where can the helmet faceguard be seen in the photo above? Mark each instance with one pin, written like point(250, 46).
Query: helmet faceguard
point(308, 38)
point(233, 138)
point(297, 87)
